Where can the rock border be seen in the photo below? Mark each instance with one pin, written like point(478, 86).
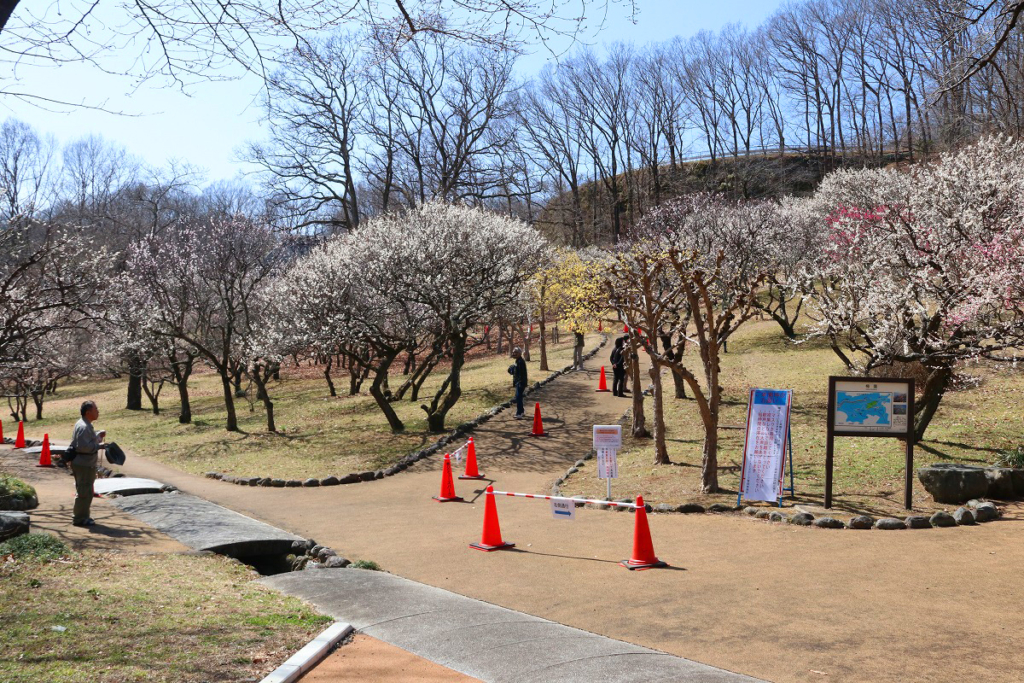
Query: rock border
point(963, 516)
point(403, 464)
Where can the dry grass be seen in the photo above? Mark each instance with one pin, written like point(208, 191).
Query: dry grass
point(317, 435)
point(144, 618)
point(972, 426)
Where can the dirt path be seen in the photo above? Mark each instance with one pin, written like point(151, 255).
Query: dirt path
point(776, 602)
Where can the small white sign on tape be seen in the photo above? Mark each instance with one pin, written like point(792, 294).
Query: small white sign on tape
point(607, 463)
point(563, 509)
point(607, 436)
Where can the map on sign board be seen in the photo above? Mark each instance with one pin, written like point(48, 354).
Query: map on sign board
point(879, 407)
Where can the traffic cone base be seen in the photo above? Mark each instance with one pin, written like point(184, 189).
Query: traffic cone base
point(491, 548)
point(447, 494)
point(643, 549)
point(471, 470)
point(602, 384)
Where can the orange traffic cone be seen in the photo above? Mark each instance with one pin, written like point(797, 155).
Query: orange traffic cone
point(2, 432)
point(19, 442)
point(447, 484)
point(643, 549)
point(490, 539)
point(625, 329)
point(471, 471)
point(44, 455)
point(538, 424)
point(602, 384)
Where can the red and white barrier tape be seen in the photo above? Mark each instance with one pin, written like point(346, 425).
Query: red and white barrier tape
point(575, 500)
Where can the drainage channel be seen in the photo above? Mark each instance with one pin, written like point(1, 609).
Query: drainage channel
point(203, 525)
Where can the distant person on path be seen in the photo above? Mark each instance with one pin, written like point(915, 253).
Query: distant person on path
point(87, 443)
point(519, 379)
point(619, 368)
point(577, 351)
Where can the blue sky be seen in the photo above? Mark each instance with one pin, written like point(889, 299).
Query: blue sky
point(212, 121)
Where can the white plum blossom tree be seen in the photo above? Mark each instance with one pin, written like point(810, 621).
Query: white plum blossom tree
point(924, 266)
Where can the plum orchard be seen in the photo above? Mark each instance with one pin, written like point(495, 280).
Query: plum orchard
point(419, 279)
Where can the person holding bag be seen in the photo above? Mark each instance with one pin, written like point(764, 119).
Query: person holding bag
point(86, 443)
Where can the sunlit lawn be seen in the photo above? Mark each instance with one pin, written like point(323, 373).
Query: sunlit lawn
point(318, 435)
point(114, 617)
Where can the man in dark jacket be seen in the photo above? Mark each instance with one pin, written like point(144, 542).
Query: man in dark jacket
point(87, 443)
point(519, 380)
point(618, 360)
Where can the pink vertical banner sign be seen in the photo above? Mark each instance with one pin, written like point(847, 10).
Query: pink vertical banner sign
point(764, 449)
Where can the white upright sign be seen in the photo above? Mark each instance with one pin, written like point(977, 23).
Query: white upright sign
point(607, 463)
point(607, 436)
point(563, 509)
point(764, 452)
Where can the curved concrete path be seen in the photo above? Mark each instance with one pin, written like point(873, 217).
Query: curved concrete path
point(771, 601)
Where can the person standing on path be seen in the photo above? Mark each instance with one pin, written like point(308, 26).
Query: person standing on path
point(577, 351)
point(519, 379)
point(86, 442)
point(618, 360)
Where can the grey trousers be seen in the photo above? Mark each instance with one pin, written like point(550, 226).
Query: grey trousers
point(85, 477)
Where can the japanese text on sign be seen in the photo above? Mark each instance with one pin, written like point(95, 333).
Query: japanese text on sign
point(563, 509)
point(607, 436)
point(765, 446)
point(607, 463)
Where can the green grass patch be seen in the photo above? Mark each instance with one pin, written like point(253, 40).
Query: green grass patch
point(366, 564)
point(972, 426)
point(318, 435)
point(116, 617)
point(40, 547)
point(14, 487)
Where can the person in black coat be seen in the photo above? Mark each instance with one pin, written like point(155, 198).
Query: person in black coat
point(619, 367)
point(519, 380)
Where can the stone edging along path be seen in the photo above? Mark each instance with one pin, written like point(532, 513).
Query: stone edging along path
point(403, 464)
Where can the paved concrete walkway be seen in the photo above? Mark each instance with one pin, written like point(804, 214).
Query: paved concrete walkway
point(482, 640)
point(203, 525)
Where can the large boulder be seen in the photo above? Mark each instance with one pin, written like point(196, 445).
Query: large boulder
point(13, 524)
point(1000, 483)
point(953, 483)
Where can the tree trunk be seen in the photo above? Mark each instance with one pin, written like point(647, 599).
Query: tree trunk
point(934, 389)
point(327, 375)
point(376, 390)
point(135, 369)
point(543, 344)
point(660, 447)
point(451, 390)
point(639, 426)
point(709, 466)
point(185, 416)
point(259, 375)
point(229, 400)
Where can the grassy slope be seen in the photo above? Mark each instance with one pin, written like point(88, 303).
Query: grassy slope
point(317, 435)
point(144, 618)
point(971, 426)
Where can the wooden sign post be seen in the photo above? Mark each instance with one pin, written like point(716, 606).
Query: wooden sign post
point(882, 406)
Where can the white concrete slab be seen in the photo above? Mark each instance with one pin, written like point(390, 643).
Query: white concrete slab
point(126, 486)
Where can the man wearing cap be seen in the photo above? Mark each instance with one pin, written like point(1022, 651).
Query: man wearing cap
point(86, 443)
